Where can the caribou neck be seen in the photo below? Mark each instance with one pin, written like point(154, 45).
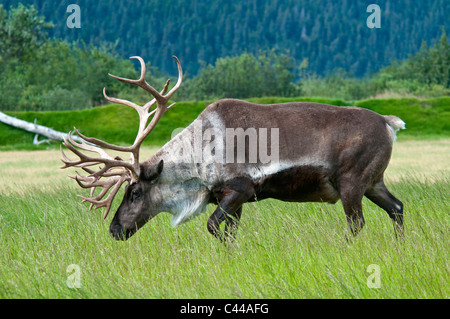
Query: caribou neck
point(185, 192)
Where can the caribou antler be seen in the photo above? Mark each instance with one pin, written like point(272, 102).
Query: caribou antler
point(116, 171)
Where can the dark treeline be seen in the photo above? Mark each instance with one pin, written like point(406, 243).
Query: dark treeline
point(40, 72)
point(331, 34)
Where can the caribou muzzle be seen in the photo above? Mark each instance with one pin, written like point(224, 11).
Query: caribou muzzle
point(118, 232)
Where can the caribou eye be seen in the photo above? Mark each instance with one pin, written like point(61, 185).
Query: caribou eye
point(135, 194)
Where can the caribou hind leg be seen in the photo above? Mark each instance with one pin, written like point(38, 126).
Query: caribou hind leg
point(353, 210)
point(380, 195)
point(351, 198)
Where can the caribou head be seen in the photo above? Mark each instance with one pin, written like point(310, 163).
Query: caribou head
point(142, 196)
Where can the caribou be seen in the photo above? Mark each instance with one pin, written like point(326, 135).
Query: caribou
point(323, 153)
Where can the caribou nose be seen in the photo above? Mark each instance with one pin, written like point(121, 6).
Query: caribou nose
point(116, 231)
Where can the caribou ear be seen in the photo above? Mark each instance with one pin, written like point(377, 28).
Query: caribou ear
point(160, 166)
point(150, 172)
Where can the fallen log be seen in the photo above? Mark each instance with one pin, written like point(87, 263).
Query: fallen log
point(37, 129)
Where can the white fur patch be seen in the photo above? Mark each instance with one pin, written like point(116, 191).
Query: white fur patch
point(391, 132)
point(395, 122)
point(188, 207)
point(259, 172)
point(393, 125)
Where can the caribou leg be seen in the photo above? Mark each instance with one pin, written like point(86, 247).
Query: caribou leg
point(353, 211)
point(231, 219)
point(380, 195)
point(229, 208)
point(351, 198)
point(232, 223)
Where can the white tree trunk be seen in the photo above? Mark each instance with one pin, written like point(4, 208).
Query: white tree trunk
point(35, 128)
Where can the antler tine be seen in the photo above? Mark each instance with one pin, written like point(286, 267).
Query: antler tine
point(86, 147)
point(107, 202)
point(167, 96)
point(104, 144)
point(85, 160)
point(166, 86)
point(179, 81)
point(121, 101)
point(149, 104)
point(141, 81)
point(92, 182)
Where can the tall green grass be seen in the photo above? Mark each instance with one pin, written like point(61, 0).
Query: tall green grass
point(118, 124)
point(282, 250)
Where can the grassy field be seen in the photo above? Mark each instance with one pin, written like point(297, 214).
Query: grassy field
point(283, 250)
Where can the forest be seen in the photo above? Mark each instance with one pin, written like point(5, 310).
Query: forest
point(44, 65)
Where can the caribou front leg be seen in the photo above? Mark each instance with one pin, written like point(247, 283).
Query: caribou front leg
point(231, 197)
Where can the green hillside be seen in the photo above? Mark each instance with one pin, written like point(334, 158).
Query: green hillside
point(118, 124)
